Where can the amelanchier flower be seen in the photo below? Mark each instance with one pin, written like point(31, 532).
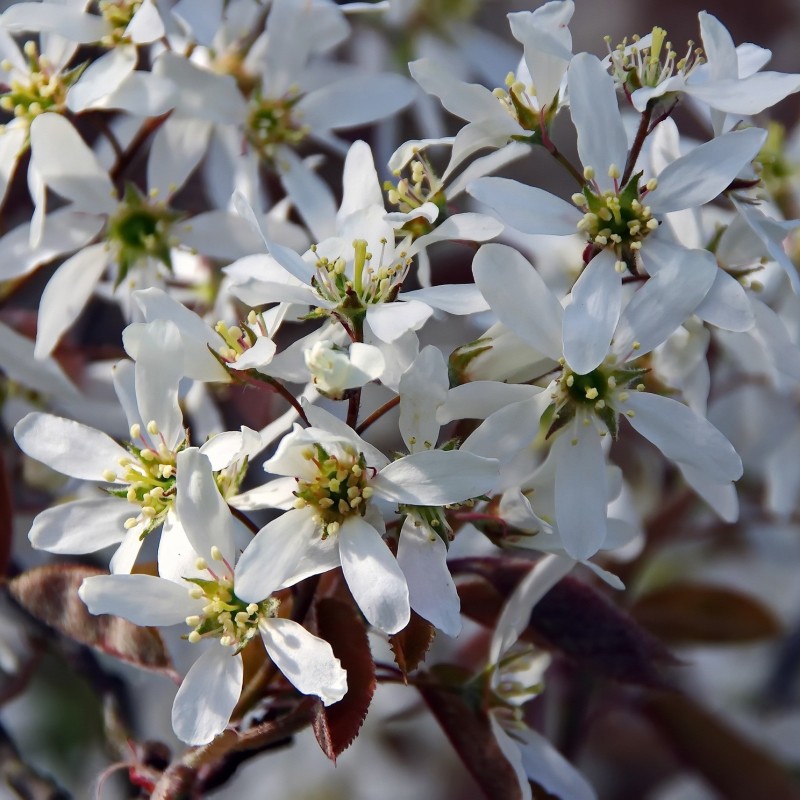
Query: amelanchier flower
point(721, 76)
point(357, 275)
point(138, 481)
point(201, 590)
point(531, 99)
point(516, 676)
point(591, 389)
point(138, 231)
point(335, 488)
point(621, 222)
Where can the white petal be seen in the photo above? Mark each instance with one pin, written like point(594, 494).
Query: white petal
point(71, 23)
point(592, 316)
point(700, 176)
point(665, 301)
point(526, 208)
point(531, 310)
point(389, 321)
point(177, 148)
point(547, 767)
point(749, 95)
point(310, 194)
point(683, 436)
point(177, 559)
point(195, 335)
point(422, 556)
point(466, 100)
point(12, 145)
point(373, 576)
point(202, 511)
point(511, 750)
point(43, 375)
point(436, 477)
point(306, 661)
point(203, 94)
point(81, 526)
point(593, 104)
point(159, 369)
point(355, 101)
point(68, 447)
point(68, 166)
point(480, 399)
point(142, 94)
point(66, 293)
point(219, 234)
point(726, 305)
point(423, 388)
point(208, 695)
point(146, 25)
point(721, 497)
point(141, 599)
point(101, 78)
point(503, 434)
point(125, 555)
point(64, 232)
point(581, 490)
point(467, 227)
point(360, 185)
point(454, 298)
point(256, 357)
point(274, 554)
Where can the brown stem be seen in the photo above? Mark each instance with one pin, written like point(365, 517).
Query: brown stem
point(244, 519)
point(551, 148)
point(287, 396)
point(636, 147)
point(377, 414)
point(124, 161)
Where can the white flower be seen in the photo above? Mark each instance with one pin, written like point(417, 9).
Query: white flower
point(201, 591)
point(139, 232)
point(334, 369)
point(622, 222)
point(335, 481)
point(517, 677)
point(140, 480)
point(591, 390)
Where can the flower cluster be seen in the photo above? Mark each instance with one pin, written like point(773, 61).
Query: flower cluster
point(308, 433)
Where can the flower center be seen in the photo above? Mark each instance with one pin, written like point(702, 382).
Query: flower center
point(149, 472)
point(272, 122)
point(362, 284)
point(616, 219)
point(635, 67)
point(424, 186)
point(339, 489)
point(141, 229)
point(238, 339)
point(38, 90)
point(118, 15)
point(225, 616)
point(600, 393)
point(519, 102)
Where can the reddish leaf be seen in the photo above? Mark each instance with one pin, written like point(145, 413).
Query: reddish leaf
point(573, 618)
point(411, 645)
point(6, 518)
point(469, 732)
point(735, 767)
point(337, 726)
point(695, 613)
point(50, 594)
